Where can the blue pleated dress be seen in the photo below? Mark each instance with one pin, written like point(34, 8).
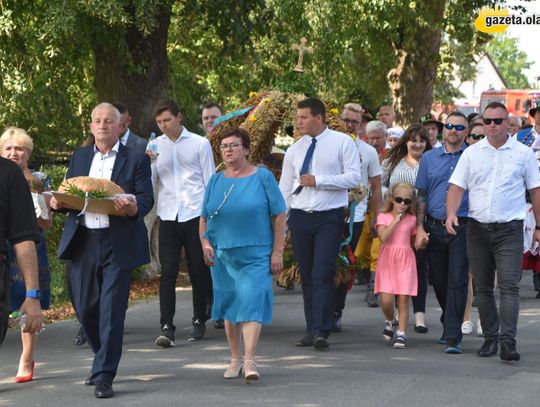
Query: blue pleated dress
point(238, 212)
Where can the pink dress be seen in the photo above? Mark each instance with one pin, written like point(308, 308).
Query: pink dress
point(396, 267)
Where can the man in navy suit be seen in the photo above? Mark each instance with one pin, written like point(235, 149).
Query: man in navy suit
point(105, 249)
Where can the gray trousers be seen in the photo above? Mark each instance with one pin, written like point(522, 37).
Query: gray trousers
point(496, 248)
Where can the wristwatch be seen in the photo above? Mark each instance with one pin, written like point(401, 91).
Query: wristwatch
point(36, 294)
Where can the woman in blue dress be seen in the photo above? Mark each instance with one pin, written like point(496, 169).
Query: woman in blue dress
point(242, 230)
point(16, 145)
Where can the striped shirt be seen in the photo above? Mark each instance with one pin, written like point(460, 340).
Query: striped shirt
point(402, 173)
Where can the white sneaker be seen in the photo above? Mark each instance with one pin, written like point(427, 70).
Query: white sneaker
point(467, 328)
point(479, 331)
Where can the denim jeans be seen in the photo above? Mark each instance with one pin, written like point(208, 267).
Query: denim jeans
point(496, 248)
point(448, 268)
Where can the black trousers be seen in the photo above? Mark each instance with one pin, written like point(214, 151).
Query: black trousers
point(100, 295)
point(341, 290)
point(419, 301)
point(173, 236)
point(316, 238)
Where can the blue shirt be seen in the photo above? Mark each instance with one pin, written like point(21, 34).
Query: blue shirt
point(436, 168)
point(239, 211)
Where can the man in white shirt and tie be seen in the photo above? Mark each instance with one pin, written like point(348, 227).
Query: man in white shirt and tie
point(317, 172)
point(181, 171)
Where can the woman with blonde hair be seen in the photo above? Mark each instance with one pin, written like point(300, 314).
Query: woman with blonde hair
point(16, 145)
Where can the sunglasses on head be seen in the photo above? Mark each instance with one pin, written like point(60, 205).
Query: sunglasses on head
point(458, 127)
point(399, 200)
point(496, 121)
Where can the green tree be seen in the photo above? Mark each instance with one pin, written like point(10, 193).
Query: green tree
point(509, 60)
point(58, 58)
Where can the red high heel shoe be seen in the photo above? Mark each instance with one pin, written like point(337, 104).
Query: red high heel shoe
point(26, 378)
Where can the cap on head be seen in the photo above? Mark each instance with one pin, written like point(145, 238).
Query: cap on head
point(430, 119)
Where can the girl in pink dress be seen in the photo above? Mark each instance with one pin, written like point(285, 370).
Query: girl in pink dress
point(396, 277)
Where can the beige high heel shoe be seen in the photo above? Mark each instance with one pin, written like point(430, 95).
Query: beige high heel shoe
point(234, 370)
point(250, 371)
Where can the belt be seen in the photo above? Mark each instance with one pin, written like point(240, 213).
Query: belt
point(102, 231)
point(442, 222)
point(495, 224)
point(315, 212)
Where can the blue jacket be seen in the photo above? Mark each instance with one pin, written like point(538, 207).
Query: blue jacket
point(129, 237)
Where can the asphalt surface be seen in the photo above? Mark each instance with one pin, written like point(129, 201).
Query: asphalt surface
point(359, 369)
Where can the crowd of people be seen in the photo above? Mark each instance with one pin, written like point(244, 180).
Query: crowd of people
point(447, 203)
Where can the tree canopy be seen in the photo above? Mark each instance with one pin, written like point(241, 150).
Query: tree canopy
point(59, 58)
point(510, 60)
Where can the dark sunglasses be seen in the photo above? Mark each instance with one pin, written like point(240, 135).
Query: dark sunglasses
point(496, 121)
point(458, 127)
point(476, 136)
point(399, 200)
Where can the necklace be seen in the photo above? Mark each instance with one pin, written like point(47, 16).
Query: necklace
point(225, 196)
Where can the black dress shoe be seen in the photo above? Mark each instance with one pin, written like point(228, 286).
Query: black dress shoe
point(90, 381)
point(421, 329)
point(305, 341)
point(509, 352)
point(103, 390)
point(489, 348)
point(319, 342)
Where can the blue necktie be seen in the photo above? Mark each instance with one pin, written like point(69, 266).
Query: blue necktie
point(305, 164)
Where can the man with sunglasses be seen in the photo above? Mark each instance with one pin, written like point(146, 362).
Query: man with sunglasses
point(446, 254)
point(496, 172)
point(371, 175)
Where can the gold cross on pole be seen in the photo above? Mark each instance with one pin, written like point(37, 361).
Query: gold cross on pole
point(302, 49)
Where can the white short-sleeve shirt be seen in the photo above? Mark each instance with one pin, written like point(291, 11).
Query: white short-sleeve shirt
point(497, 179)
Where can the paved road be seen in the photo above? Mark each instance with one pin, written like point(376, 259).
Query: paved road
point(358, 370)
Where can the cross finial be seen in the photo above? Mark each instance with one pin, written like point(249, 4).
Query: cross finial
point(301, 50)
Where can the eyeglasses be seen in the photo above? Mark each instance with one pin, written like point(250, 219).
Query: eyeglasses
point(405, 201)
point(230, 145)
point(458, 127)
point(355, 122)
point(497, 121)
point(476, 136)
